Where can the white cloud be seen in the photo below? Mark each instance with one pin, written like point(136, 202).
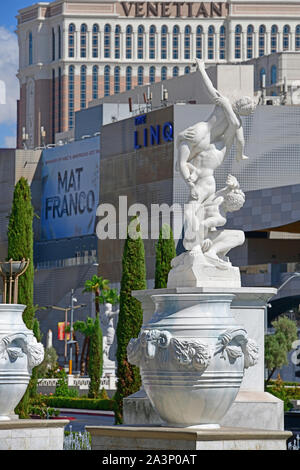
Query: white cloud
point(10, 142)
point(8, 70)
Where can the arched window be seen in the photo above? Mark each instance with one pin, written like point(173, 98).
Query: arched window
point(83, 40)
point(261, 40)
point(273, 75)
point(250, 32)
point(286, 38)
point(222, 43)
point(152, 32)
point(141, 76)
point(262, 77)
point(176, 42)
point(83, 86)
point(187, 70)
point(164, 41)
point(53, 44)
point(128, 78)
point(117, 80)
point(107, 80)
point(199, 42)
point(211, 43)
point(59, 42)
point(117, 41)
point(187, 42)
point(95, 41)
point(72, 40)
point(237, 42)
point(128, 53)
point(152, 74)
point(140, 42)
point(164, 73)
point(71, 95)
point(274, 34)
point(95, 82)
point(297, 38)
point(107, 31)
point(175, 71)
point(30, 49)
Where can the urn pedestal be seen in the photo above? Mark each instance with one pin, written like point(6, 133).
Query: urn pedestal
point(19, 354)
point(192, 355)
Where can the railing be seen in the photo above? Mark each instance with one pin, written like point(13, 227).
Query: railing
point(107, 382)
point(294, 444)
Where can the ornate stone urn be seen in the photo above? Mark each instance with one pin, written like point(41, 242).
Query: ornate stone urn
point(192, 355)
point(19, 353)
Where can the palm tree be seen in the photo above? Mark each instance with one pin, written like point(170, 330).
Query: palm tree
point(97, 285)
point(86, 328)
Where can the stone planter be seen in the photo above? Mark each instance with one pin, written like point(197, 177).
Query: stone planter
point(19, 354)
point(192, 356)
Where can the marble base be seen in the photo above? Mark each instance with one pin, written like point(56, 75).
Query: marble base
point(30, 434)
point(257, 410)
point(166, 438)
point(190, 271)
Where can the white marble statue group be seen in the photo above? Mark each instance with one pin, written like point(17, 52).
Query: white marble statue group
point(201, 149)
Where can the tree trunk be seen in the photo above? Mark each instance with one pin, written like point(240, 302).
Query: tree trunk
point(88, 354)
point(82, 360)
point(270, 375)
point(97, 304)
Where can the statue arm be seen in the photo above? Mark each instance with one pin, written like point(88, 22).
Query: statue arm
point(213, 93)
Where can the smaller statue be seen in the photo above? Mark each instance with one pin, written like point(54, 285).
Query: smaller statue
point(109, 333)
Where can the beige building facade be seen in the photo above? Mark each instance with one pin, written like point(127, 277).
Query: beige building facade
point(72, 52)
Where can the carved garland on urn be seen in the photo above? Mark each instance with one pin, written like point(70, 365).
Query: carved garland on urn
point(18, 345)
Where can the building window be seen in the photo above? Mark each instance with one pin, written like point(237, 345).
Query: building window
point(95, 82)
point(128, 78)
point(211, 43)
point(286, 38)
point(164, 73)
point(95, 41)
point(141, 75)
point(83, 86)
point(59, 100)
point(59, 43)
point(129, 42)
point(187, 42)
point(140, 42)
point(175, 42)
point(237, 42)
point(117, 80)
point(199, 42)
point(72, 40)
point(297, 38)
point(175, 71)
point(222, 43)
point(250, 32)
point(83, 40)
point(107, 30)
point(261, 40)
point(152, 33)
point(187, 70)
point(273, 75)
point(30, 49)
point(274, 34)
point(152, 74)
point(53, 44)
point(164, 42)
point(107, 80)
point(117, 41)
point(71, 95)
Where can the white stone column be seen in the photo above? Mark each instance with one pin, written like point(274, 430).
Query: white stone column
point(231, 44)
point(244, 46)
point(292, 40)
point(101, 44)
point(255, 44)
point(65, 43)
point(170, 49)
point(279, 42)
point(217, 46)
point(158, 45)
point(77, 44)
point(268, 42)
point(146, 46)
point(181, 46)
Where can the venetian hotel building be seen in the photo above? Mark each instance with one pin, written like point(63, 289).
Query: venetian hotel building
point(74, 51)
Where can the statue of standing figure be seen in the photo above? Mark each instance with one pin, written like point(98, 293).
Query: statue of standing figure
point(201, 150)
point(109, 330)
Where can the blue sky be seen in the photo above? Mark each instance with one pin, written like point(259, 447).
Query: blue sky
point(9, 90)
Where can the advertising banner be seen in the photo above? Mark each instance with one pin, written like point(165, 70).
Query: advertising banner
point(61, 331)
point(70, 189)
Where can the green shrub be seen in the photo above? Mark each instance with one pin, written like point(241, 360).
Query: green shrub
point(79, 403)
point(281, 392)
point(62, 389)
point(165, 252)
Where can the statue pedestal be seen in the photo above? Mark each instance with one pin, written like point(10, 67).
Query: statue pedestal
point(253, 407)
point(165, 438)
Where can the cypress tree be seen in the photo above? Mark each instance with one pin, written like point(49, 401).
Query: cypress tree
point(130, 319)
point(20, 245)
point(165, 252)
point(96, 360)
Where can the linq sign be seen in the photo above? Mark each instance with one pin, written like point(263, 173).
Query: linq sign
point(175, 9)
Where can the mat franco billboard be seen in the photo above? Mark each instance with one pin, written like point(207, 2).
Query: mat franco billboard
point(70, 189)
